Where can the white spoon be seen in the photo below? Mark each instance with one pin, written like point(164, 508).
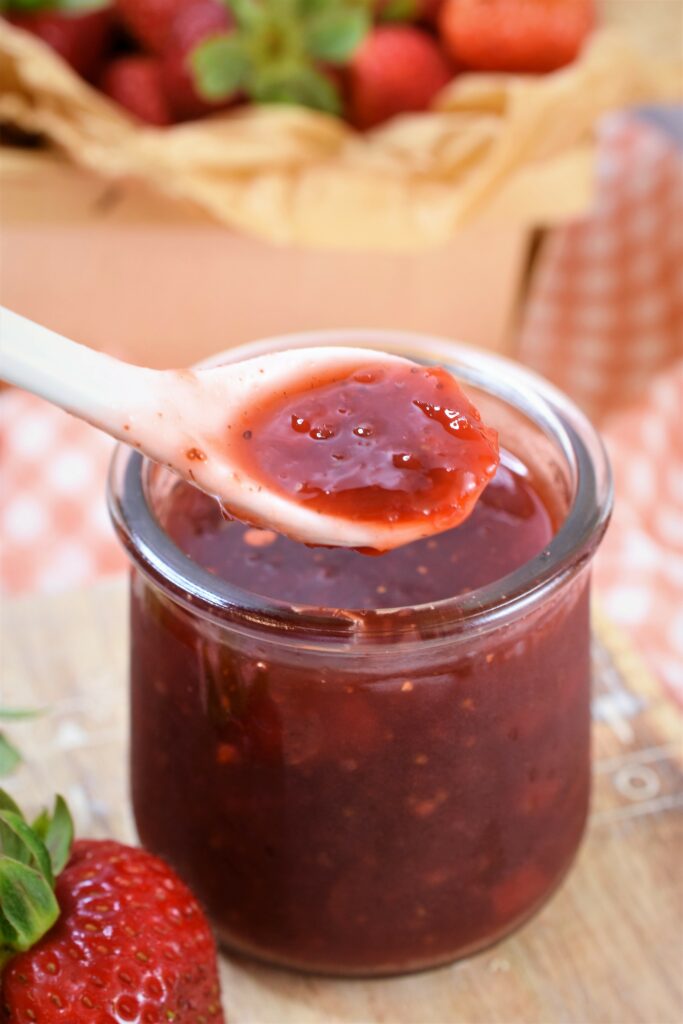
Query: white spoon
point(178, 418)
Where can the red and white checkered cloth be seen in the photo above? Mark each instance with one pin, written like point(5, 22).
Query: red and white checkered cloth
point(639, 568)
point(605, 309)
point(54, 524)
point(604, 321)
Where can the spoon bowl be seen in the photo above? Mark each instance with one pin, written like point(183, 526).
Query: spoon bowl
point(189, 426)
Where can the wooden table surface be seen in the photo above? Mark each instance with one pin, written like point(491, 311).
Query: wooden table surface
point(607, 949)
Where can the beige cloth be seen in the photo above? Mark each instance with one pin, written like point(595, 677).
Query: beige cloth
point(498, 147)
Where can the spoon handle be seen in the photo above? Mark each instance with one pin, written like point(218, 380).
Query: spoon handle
point(91, 385)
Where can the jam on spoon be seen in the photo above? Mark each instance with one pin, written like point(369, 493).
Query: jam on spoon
point(395, 444)
point(440, 456)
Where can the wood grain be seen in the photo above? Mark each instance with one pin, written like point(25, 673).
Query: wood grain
point(607, 949)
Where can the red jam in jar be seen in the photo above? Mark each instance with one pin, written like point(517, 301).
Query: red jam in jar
point(370, 765)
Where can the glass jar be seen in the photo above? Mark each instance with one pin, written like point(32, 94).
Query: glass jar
point(368, 793)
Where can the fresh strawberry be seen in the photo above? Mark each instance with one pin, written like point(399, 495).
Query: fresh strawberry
point(398, 68)
point(150, 21)
point(515, 35)
point(200, 21)
point(80, 38)
point(120, 939)
point(137, 84)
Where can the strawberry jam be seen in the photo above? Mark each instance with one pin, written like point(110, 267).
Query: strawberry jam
point(367, 765)
point(508, 526)
point(396, 444)
point(371, 811)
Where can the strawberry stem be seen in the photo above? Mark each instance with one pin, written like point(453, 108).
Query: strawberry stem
point(280, 50)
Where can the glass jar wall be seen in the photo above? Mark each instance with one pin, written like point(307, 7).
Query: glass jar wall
point(370, 789)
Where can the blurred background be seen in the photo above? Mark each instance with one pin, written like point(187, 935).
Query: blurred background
point(427, 168)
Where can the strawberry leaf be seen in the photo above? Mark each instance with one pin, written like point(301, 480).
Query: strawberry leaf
point(8, 804)
point(219, 66)
point(334, 35)
point(17, 714)
point(41, 824)
point(30, 857)
point(57, 833)
point(63, 6)
point(81, 6)
point(248, 13)
point(302, 85)
point(20, 843)
point(28, 6)
point(9, 756)
point(399, 10)
point(28, 907)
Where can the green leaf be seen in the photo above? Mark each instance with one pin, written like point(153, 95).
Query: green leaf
point(8, 804)
point(304, 86)
point(81, 6)
point(219, 66)
point(41, 824)
point(29, 859)
point(57, 832)
point(9, 756)
point(28, 907)
point(17, 714)
point(248, 13)
point(307, 8)
point(19, 842)
point(399, 10)
point(29, 6)
point(335, 35)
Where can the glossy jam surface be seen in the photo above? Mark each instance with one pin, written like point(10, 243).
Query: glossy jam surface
point(394, 444)
point(508, 526)
point(380, 808)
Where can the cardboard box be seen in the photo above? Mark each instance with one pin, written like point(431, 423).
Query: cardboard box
point(127, 271)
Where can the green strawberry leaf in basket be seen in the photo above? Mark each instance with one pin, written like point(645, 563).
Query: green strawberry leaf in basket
point(335, 35)
point(278, 51)
point(220, 66)
point(303, 85)
point(399, 10)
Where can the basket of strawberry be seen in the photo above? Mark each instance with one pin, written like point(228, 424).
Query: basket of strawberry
point(379, 122)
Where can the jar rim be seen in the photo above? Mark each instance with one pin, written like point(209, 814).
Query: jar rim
point(156, 555)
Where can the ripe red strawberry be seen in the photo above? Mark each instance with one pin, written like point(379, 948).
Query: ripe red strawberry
point(193, 25)
point(397, 68)
point(515, 35)
point(81, 39)
point(150, 21)
point(137, 84)
point(118, 938)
